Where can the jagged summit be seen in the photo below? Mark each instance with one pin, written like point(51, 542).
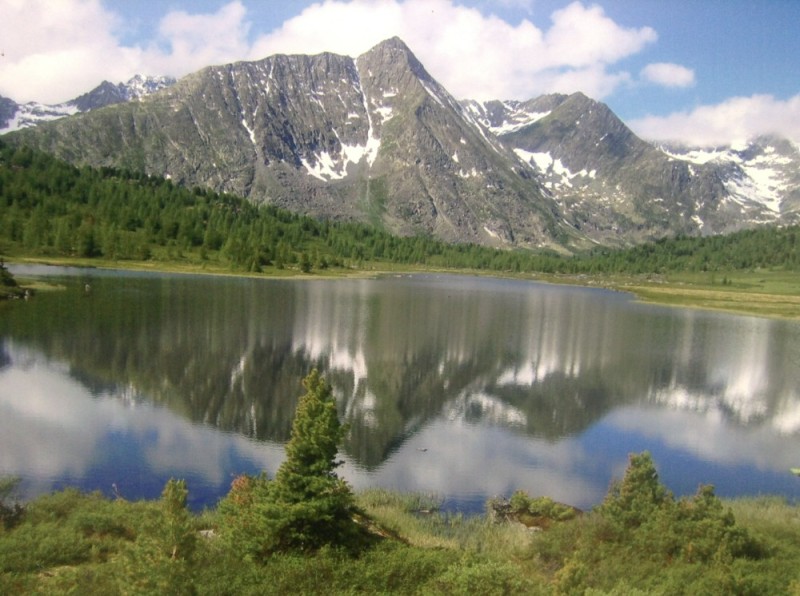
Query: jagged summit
point(376, 138)
point(14, 116)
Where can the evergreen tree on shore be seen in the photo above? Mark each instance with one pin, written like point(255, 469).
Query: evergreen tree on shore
point(307, 505)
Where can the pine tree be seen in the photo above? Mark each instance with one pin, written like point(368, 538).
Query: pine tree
point(317, 505)
point(307, 505)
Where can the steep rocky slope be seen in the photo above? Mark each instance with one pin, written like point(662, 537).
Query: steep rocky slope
point(374, 138)
point(612, 185)
point(377, 139)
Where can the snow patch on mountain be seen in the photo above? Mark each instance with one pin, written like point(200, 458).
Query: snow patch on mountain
point(515, 117)
point(33, 113)
point(519, 120)
point(557, 173)
point(250, 131)
point(755, 172)
point(764, 186)
point(138, 87)
point(326, 167)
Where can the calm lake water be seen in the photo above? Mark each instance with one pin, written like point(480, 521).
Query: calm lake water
point(464, 387)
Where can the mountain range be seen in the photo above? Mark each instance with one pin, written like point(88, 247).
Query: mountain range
point(376, 138)
point(15, 116)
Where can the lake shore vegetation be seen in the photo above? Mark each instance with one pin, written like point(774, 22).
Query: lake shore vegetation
point(53, 212)
point(305, 532)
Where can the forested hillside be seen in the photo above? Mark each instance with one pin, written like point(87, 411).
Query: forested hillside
point(51, 208)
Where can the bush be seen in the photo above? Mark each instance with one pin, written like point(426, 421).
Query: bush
point(641, 535)
point(159, 560)
point(307, 505)
point(538, 512)
point(10, 511)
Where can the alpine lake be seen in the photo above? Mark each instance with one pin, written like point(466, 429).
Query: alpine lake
point(462, 387)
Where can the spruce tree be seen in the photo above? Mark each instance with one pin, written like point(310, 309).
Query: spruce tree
point(316, 506)
point(307, 505)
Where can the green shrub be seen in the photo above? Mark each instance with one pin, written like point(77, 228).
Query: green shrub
point(484, 577)
point(160, 560)
point(539, 512)
point(10, 511)
point(641, 535)
point(307, 505)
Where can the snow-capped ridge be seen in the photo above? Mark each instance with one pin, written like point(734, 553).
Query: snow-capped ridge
point(763, 170)
point(33, 113)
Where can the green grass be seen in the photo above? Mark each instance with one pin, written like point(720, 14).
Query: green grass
point(767, 293)
point(761, 293)
point(68, 542)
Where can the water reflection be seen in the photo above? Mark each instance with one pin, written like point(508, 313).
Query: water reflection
point(55, 432)
point(506, 384)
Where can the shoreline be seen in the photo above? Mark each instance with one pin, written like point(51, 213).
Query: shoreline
point(742, 297)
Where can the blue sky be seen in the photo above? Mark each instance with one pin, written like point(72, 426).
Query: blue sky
point(700, 71)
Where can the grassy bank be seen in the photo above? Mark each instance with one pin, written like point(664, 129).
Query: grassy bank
point(774, 294)
point(68, 542)
point(759, 293)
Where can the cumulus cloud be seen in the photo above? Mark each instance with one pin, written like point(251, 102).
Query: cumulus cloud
point(474, 55)
point(194, 41)
point(668, 74)
point(52, 46)
point(732, 121)
point(57, 49)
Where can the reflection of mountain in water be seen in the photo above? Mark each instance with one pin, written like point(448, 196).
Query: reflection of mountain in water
point(547, 361)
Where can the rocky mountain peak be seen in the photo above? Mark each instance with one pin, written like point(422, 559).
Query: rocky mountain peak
point(376, 138)
point(393, 55)
point(14, 116)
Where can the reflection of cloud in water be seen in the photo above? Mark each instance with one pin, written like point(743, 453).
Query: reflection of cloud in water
point(787, 420)
point(748, 409)
point(53, 429)
point(45, 425)
point(709, 436)
point(478, 460)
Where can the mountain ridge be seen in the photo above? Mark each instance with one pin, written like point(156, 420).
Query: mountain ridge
point(15, 116)
point(376, 138)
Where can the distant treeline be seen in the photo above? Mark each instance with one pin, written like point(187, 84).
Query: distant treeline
point(51, 208)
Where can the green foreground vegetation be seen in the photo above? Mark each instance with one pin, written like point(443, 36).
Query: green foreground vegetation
point(54, 212)
point(305, 532)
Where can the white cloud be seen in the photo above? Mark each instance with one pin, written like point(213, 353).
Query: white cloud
point(473, 55)
point(734, 120)
point(195, 41)
point(57, 49)
point(582, 37)
point(53, 45)
point(668, 75)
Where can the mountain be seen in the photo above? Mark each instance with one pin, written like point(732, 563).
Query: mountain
point(615, 187)
point(107, 93)
point(14, 116)
point(765, 170)
point(374, 138)
point(377, 139)
point(8, 107)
